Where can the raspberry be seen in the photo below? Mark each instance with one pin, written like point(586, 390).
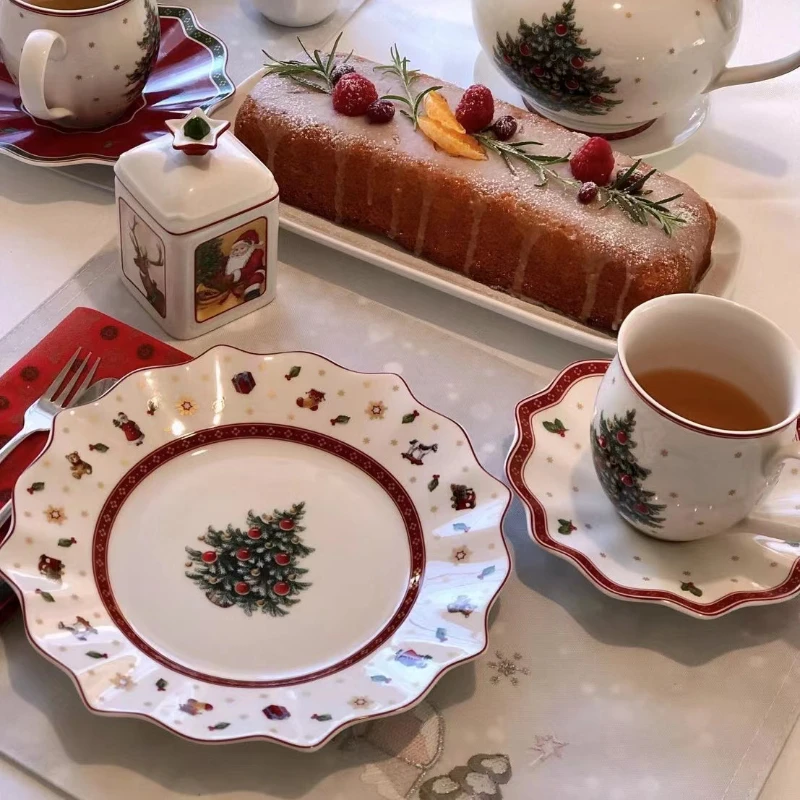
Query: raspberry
point(593, 162)
point(475, 110)
point(353, 95)
point(587, 193)
point(504, 128)
point(339, 71)
point(380, 112)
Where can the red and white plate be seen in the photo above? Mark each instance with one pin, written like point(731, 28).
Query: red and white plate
point(257, 547)
point(550, 467)
point(189, 72)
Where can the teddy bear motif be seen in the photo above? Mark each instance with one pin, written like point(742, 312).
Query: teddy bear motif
point(78, 466)
point(312, 400)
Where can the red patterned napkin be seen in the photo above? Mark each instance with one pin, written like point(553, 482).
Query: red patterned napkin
point(122, 349)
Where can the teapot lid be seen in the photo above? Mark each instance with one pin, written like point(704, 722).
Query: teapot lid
point(195, 175)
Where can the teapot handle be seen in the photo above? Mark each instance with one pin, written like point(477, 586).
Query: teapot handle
point(734, 76)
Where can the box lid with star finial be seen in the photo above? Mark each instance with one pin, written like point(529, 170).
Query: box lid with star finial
point(196, 175)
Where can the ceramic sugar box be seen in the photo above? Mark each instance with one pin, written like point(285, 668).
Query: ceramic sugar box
point(198, 226)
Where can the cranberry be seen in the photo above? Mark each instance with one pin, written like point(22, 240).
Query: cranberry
point(380, 112)
point(339, 71)
point(504, 128)
point(587, 193)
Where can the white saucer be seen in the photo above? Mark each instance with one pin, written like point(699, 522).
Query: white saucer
point(667, 133)
point(756, 563)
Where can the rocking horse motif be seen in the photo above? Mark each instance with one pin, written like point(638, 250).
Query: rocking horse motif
point(417, 451)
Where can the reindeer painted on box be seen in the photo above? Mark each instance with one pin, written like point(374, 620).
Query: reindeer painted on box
point(144, 262)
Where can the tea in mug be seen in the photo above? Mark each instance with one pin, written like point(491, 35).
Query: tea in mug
point(704, 399)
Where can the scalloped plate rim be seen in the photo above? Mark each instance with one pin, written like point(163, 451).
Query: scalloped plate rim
point(221, 740)
point(730, 602)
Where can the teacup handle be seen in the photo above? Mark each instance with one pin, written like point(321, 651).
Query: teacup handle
point(789, 451)
point(40, 46)
point(734, 76)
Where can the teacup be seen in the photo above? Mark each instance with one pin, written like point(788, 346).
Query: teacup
point(79, 63)
point(613, 68)
point(666, 475)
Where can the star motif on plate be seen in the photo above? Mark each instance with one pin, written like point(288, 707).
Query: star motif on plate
point(361, 702)
point(196, 137)
point(186, 407)
point(376, 409)
point(340, 393)
point(55, 514)
point(125, 682)
point(460, 554)
point(544, 747)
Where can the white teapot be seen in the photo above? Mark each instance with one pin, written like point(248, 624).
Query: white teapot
point(614, 67)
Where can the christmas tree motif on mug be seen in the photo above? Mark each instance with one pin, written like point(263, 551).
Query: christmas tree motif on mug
point(255, 569)
point(551, 62)
point(620, 472)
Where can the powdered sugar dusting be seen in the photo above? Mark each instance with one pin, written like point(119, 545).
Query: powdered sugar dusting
point(609, 234)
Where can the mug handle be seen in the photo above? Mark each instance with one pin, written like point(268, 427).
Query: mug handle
point(39, 47)
point(789, 451)
point(753, 73)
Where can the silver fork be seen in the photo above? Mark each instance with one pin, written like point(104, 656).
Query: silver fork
point(39, 416)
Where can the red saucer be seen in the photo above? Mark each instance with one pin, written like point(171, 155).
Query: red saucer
point(189, 72)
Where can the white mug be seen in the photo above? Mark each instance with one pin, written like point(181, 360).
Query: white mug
point(614, 67)
point(666, 475)
point(79, 63)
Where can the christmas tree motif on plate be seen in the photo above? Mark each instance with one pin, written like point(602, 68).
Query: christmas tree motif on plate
point(255, 569)
point(621, 474)
point(551, 63)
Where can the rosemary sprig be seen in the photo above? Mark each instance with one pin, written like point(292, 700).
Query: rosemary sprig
point(399, 68)
point(632, 198)
point(541, 165)
point(308, 74)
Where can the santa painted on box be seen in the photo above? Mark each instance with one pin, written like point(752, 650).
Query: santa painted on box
point(245, 267)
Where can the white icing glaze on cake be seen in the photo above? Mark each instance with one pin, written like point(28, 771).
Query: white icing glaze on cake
point(601, 233)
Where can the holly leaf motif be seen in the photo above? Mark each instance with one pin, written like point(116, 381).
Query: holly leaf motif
point(66, 542)
point(342, 419)
point(95, 654)
point(292, 373)
point(688, 586)
point(322, 717)
point(556, 426)
point(36, 487)
point(99, 447)
point(433, 483)
point(46, 596)
point(409, 418)
point(220, 726)
point(161, 684)
point(566, 527)
point(486, 572)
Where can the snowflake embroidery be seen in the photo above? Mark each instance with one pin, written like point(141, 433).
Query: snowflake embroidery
point(55, 514)
point(361, 702)
point(186, 407)
point(375, 409)
point(509, 668)
point(544, 747)
point(125, 682)
point(460, 554)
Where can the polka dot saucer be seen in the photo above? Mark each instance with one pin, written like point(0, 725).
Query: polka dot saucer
point(550, 466)
point(189, 72)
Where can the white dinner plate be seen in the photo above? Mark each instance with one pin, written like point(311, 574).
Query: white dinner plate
point(256, 547)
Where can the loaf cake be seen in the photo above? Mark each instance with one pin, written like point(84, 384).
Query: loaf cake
point(480, 218)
